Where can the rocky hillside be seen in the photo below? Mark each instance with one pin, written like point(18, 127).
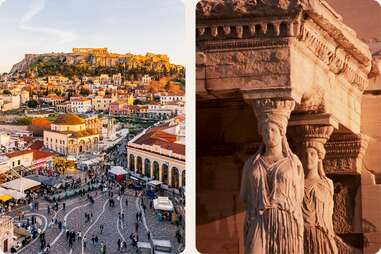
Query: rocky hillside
point(93, 62)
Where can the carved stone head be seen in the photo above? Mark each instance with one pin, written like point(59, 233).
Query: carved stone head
point(272, 134)
point(273, 111)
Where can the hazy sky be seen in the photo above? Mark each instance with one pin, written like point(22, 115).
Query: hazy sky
point(135, 26)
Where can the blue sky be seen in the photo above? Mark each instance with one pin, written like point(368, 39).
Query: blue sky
point(123, 26)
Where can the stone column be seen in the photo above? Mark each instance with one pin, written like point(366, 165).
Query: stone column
point(318, 188)
point(161, 173)
point(151, 169)
point(170, 175)
point(180, 178)
point(135, 164)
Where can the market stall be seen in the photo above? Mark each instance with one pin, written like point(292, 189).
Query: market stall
point(118, 172)
point(53, 182)
point(163, 207)
point(21, 184)
point(13, 193)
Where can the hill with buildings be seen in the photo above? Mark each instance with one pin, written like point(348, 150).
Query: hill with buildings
point(95, 61)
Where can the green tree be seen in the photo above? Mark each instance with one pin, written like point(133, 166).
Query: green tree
point(24, 121)
point(138, 102)
point(84, 92)
point(32, 104)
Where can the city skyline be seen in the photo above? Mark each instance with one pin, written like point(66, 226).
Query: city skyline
point(40, 26)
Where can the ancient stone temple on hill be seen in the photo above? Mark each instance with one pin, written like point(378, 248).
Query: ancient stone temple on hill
point(260, 59)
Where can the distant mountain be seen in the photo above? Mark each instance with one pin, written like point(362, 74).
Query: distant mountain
point(95, 61)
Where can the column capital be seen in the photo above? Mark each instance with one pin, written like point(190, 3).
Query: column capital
point(301, 134)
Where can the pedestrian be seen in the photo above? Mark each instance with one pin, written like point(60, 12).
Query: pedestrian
point(96, 239)
point(118, 244)
point(48, 209)
point(63, 206)
point(126, 202)
point(93, 239)
point(84, 242)
point(101, 228)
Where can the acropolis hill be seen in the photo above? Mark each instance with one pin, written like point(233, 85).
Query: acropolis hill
point(90, 59)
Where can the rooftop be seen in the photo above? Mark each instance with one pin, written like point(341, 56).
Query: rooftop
point(160, 136)
point(69, 119)
point(37, 155)
point(18, 153)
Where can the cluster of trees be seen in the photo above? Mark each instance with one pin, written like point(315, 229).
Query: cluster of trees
point(166, 84)
point(24, 121)
point(133, 67)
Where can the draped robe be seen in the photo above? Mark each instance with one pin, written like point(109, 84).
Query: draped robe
point(319, 236)
point(273, 195)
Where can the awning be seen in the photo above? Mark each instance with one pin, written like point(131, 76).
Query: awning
point(45, 180)
point(117, 170)
point(154, 182)
point(15, 194)
point(163, 203)
point(21, 184)
point(5, 197)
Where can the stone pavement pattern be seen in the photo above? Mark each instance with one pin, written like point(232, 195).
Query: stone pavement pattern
point(74, 215)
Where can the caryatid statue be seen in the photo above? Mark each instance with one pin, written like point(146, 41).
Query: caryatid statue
point(319, 236)
point(272, 186)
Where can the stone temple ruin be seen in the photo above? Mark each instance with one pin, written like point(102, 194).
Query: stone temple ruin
point(285, 50)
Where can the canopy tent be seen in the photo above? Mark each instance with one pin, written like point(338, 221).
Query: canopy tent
point(15, 194)
point(163, 203)
point(117, 170)
point(45, 180)
point(136, 176)
point(5, 197)
point(155, 182)
point(21, 184)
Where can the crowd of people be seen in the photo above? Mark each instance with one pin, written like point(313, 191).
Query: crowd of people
point(107, 185)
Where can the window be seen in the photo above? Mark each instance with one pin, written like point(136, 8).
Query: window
point(19, 162)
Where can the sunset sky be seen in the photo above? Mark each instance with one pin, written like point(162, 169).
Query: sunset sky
point(135, 26)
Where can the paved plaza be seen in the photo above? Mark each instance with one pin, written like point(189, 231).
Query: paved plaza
point(103, 214)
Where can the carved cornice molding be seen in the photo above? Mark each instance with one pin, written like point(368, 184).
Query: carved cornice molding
point(237, 24)
point(334, 56)
point(207, 9)
point(345, 153)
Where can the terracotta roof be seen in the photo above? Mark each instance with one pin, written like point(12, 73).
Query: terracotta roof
point(37, 155)
point(80, 99)
point(37, 145)
point(157, 136)
point(54, 96)
point(18, 153)
point(69, 119)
